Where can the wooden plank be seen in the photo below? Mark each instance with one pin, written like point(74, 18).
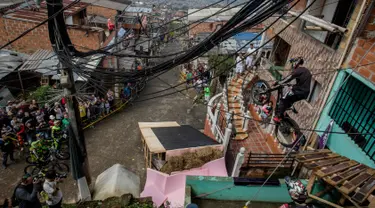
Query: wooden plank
point(327, 162)
point(341, 177)
point(324, 201)
point(309, 158)
point(350, 186)
point(364, 191)
point(143, 125)
point(336, 168)
point(313, 152)
point(311, 182)
point(152, 141)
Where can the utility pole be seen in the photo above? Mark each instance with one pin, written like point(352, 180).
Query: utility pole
point(79, 161)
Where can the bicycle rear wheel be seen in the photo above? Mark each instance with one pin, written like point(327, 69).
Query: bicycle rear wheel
point(287, 132)
point(259, 93)
point(59, 167)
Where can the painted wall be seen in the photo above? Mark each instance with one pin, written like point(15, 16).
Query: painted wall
point(342, 143)
point(223, 188)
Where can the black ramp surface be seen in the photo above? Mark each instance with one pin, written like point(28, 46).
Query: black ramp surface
point(182, 137)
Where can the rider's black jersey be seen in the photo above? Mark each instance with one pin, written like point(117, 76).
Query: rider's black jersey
point(303, 81)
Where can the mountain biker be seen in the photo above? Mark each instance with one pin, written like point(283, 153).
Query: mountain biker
point(300, 90)
point(57, 131)
point(40, 147)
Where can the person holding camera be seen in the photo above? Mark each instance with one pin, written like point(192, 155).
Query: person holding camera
point(52, 192)
point(26, 193)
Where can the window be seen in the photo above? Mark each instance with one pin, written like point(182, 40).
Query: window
point(354, 111)
point(337, 12)
point(315, 90)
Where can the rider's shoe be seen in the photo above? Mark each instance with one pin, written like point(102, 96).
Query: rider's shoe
point(276, 119)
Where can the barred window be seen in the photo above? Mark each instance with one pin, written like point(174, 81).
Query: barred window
point(354, 111)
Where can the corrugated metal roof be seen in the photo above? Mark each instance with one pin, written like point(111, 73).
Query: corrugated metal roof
point(138, 10)
point(23, 12)
point(120, 6)
point(42, 61)
point(10, 61)
point(7, 3)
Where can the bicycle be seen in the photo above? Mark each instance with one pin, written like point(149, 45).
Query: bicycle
point(51, 164)
point(288, 128)
point(55, 151)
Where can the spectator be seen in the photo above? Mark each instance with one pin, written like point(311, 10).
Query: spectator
point(27, 192)
point(189, 78)
point(127, 91)
point(53, 192)
point(266, 112)
point(198, 85)
point(82, 111)
point(65, 121)
point(110, 97)
point(207, 93)
point(107, 106)
point(102, 107)
point(51, 120)
point(7, 147)
point(58, 112)
point(110, 25)
point(239, 66)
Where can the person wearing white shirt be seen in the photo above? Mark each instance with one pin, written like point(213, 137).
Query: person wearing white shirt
point(239, 65)
point(50, 188)
point(250, 56)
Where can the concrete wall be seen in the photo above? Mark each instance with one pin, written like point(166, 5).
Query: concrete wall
point(223, 188)
point(342, 143)
point(39, 38)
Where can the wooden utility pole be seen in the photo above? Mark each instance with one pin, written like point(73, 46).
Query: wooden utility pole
point(63, 46)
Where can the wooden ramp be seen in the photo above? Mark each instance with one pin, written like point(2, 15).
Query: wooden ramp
point(355, 181)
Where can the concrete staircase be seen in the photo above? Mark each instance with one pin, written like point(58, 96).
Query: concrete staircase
point(236, 104)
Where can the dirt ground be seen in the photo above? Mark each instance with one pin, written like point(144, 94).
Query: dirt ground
point(117, 138)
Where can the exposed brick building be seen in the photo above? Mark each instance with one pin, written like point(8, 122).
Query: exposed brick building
point(106, 8)
point(16, 22)
point(206, 27)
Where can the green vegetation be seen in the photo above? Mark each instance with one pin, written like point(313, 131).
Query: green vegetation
point(222, 64)
point(40, 94)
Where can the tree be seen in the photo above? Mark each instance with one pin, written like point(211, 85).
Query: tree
point(222, 65)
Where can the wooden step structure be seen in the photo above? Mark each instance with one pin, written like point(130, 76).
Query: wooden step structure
point(355, 182)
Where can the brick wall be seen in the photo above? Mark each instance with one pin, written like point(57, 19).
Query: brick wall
point(363, 51)
point(101, 11)
point(39, 38)
point(210, 27)
point(318, 58)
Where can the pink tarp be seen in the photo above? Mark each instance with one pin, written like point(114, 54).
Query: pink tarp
point(163, 187)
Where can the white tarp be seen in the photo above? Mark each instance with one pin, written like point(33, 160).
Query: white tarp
point(115, 182)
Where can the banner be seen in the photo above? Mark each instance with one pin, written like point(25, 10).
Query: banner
point(324, 138)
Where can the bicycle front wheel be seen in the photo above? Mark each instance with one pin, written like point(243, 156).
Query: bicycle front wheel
point(32, 169)
point(259, 92)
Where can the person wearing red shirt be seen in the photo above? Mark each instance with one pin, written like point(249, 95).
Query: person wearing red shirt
point(110, 26)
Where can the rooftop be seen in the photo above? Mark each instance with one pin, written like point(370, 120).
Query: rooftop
point(23, 12)
point(117, 5)
point(9, 61)
point(139, 9)
point(224, 16)
point(7, 3)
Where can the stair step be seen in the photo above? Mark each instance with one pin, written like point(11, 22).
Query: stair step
point(241, 136)
point(234, 105)
point(240, 131)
